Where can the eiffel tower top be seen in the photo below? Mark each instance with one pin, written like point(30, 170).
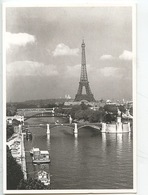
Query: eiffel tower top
point(83, 44)
point(83, 76)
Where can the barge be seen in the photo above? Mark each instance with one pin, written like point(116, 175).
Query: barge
point(40, 156)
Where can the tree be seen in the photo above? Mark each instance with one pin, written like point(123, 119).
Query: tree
point(111, 108)
point(108, 118)
point(79, 115)
point(101, 114)
point(10, 131)
point(74, 110)
point(14, 172)
point(83, 106)
point(15, 122)
point(94, 117)
point(131, 111)
point(10, 110)
point(87, 113)
point(31, 184)
point(122, 108)
point(10, 128)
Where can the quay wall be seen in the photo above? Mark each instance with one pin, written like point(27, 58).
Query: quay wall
point(23, 158)
point(111, 128)
point(116, 128)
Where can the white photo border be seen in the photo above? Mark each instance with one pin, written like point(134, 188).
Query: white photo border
point(94, 191)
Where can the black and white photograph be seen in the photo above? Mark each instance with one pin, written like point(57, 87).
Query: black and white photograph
point(70, 82)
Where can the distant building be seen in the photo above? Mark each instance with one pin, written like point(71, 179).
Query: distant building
point(73, 103)
point(67, 97)
point(9, 119)
point(129, 104)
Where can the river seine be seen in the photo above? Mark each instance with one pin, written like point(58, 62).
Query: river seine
point(90, 161)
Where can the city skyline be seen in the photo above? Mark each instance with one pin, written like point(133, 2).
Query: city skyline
point(44, 52)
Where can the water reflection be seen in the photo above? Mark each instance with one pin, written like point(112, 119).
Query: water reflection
point(76, 135)
point(129, 137)
point(76, 143)
point(48, 142)
point(119, 139)
point(48, 136)
point(110, 142)
point(103, 142)
point(116, 141)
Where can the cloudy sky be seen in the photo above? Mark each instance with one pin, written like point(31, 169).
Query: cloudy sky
point(44, 51)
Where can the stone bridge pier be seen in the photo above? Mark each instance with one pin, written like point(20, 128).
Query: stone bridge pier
point(78, 126)
point(75, 128)
point(48, 132)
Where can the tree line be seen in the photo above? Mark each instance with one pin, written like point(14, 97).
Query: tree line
point(83, 112)
point(107, 114)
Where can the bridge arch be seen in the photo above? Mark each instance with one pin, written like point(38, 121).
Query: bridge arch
point(45, 114)
point(92, 126)
point(54, 126)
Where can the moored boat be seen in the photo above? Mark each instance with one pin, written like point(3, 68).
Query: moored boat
point(28, 135)
point(40, 156)
point(44, 177)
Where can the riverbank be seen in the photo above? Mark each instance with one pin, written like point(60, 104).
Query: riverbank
point(23, 157)
point(16, 145)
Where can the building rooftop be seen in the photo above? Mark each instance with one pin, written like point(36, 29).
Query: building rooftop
point(44, 152)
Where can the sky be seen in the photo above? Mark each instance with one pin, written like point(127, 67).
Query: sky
point(43, 51)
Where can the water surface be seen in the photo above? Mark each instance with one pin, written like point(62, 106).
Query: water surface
point(90, 161)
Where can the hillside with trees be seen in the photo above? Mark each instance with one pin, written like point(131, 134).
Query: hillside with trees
point(31, 184)
point(14, 172)
point(15, 177)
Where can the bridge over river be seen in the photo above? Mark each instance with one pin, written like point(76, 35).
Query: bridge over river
point(74, 126)
point(39, 112)
point(45, 114)
point(117, 127)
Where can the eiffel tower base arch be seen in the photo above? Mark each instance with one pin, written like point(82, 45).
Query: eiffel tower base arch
point(88, 97)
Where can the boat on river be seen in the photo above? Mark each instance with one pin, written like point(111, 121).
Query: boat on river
point(44, 177)
point(28, 135)
point(40, 156)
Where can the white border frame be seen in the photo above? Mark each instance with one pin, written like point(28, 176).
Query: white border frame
point(90, 191)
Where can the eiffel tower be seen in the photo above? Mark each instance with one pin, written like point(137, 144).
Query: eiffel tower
point(84, 81)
